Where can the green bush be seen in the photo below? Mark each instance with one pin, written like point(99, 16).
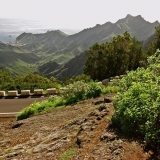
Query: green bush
point(80, 90)
point(94, 90)
point(72, 79)
point(33, 81)
point(83, 77)
point(75, 89)
point(110, 89)
point(38, 107)
point(71, 94)
point(137, 104)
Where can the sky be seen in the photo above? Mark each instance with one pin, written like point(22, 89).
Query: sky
point(78, 14)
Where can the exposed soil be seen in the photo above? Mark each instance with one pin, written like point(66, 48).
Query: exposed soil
point(78, 132)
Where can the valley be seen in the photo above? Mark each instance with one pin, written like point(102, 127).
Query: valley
point(55, 53)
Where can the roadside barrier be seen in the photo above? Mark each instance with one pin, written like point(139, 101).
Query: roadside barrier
point(2, 93)
point(51, 91)
point(13, 93)
point(27, 93)
point(38, 91)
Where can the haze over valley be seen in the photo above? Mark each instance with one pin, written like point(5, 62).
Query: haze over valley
point(10, 29)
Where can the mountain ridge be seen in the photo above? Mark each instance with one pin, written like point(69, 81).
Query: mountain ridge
point(56, 46)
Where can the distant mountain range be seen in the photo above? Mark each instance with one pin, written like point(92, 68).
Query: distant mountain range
point(55, 53)
point(10, 29)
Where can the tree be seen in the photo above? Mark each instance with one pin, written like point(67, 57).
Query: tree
point(110, 59)
point(153, 46)
point(137, 105)
point(5, 76)
point(94, 61)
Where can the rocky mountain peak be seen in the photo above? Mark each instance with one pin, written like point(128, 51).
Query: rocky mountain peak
point(130, 18)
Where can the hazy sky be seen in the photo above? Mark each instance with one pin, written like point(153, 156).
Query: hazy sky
point(78, 14)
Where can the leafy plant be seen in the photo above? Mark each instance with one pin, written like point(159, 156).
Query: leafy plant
point(94, 90)
point(38, 107)
point(137, 103)
point(71, 94)
point(80, 90)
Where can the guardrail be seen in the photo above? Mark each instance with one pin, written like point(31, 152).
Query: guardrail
point(27, 93)
point(49, 91)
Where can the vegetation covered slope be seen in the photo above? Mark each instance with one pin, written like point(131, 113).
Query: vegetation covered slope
point(16, 59)
point(72, 68)
point(57, 47)
point(138, 102)
point(80, 131)
point(56, 42)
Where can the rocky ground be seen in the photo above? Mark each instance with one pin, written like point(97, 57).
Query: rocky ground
point(78, 132)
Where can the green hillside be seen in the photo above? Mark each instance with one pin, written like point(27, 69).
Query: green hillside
point(36, 50)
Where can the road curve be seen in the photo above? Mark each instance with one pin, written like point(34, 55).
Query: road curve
point(17, 104)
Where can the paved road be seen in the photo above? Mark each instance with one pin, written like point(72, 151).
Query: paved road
point(16, 105)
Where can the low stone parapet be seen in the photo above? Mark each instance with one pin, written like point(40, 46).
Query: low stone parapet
point(51, 91)
point(25, 92)
point(13, 93)
point(2, 93)
point(38, 91)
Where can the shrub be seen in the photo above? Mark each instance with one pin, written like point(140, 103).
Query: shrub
point(38, 107)
point(75, 89)
point(110, 89)
point(83, 77)
point(80, 90)
point(94, 90)
point(137, 103)
point(71, 94)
